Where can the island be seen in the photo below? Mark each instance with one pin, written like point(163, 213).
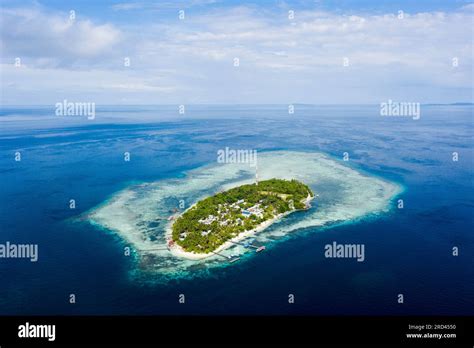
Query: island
point(214, 223)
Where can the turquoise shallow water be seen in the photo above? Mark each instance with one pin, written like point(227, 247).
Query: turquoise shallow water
point(407, 250)
point(139, 213)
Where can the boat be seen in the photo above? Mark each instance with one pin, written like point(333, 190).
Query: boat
point(262, 248)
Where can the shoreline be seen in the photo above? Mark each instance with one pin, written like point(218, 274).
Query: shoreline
point(118, 216)
point(178, 251)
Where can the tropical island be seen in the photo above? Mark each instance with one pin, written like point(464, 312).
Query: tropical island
point(214, 222)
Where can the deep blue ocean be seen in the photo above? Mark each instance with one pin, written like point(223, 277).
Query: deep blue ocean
point(408, 251)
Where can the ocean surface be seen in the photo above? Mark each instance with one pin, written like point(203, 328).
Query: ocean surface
point(408, 251)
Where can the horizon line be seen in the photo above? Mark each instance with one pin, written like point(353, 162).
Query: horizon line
point(236, 104)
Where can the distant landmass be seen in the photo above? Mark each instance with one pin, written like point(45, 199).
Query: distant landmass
point(452, 104)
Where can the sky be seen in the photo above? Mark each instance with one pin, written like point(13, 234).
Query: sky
point(236, 52)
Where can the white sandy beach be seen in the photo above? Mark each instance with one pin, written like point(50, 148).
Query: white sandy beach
point(139, 212)
point(180, 252)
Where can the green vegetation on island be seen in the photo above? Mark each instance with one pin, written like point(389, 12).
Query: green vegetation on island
point(216, 219)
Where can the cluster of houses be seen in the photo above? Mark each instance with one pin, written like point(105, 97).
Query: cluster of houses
point(223, 210)
point(209, 220)
point(255, 210)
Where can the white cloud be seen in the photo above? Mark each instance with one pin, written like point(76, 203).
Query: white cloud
point(280, 59)
point(176, 4)
point(34, 33)
point(138, 87)
point(49, 85)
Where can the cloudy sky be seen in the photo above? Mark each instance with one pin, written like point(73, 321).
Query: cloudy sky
point(321, 52)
